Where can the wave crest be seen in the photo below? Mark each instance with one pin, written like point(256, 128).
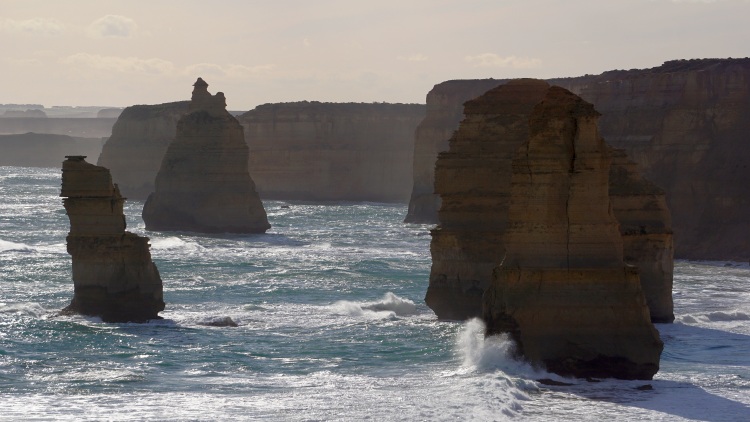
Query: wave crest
point(6, 246)
point(388, 307)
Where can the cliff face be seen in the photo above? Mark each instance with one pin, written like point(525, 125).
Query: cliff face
point(76, 127)
point(113, 275)
point(473, 179)
point(445, 109)
point(563, 291)
point(44, 150)
point(684, 123)
point(203, 183)
point(140, 138)
point(331, 151)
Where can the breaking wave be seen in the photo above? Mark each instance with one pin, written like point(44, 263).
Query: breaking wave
point(718, 316)
point(31, 309)
point(172, 243)
point(389, 306)
point(6, 246)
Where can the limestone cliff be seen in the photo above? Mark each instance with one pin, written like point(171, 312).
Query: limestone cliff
point(332, 151)
point(113, 275)
point(140, 138)
point(684, 123)
point(44, 150)
point(563, 291)
point(473, 179)
point(445, 110)
point(203, 183)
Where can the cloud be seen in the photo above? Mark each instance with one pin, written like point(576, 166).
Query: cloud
point(120, 64)
point(414, 58)
point(493, 60)
point(112, 26)
point(39, 26)
point(234, 70)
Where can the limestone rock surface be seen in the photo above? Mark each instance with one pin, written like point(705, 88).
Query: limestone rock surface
point(563, 291)
point(113, 275)
point(139, 140)
point(332, 151)
point(203, 184)
point(473, 179)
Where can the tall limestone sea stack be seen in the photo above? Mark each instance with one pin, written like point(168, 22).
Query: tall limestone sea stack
point(203, 184)
point(113, 275)
point(473, 179)
point(563, 291)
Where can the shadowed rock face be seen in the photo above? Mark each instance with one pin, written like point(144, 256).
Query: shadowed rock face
point(203, 184)
point(113, 275)
point(44, 150)
point(139, 140)
point(332, 151)
point(563, 290)
point(684, 123)
point(473, 179)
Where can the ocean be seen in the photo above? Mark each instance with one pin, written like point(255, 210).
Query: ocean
point(332, 326)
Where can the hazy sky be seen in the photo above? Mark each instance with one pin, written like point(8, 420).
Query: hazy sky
point(120, 53)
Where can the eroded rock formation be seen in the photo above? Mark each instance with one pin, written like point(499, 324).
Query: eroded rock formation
point(332, 151)
point(473, 179)
point(140, 138)
point(684, 123)
point(563, 291)
point(113, 275)
point(203, 184)
point(44, 150)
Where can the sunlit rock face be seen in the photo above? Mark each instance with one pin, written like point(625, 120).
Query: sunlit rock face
point(445, 110)
point(684, 123)
point(139, 140)
point(113, 275)
point(473, 180)
point(563, 291)
point(203, 184)
point(332, 151)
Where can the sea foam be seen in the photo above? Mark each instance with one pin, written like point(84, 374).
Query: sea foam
point(389, 306)
point(6, 246)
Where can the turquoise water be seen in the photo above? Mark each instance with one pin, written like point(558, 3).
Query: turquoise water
point(332, 326)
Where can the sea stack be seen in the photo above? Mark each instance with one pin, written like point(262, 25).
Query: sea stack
point(563, 291)
point(203, 184)
point(113, 275)
point(473, 180)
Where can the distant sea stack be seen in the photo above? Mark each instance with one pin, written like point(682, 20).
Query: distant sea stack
point(203, 184)
point(684, 123)
point(473, 179)
point(139, 140)
point(563, 291)
point(332, 151)
point(113, 275)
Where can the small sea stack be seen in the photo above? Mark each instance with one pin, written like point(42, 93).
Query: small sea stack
point(563, 291)
point(203, 184)
point(114, 277)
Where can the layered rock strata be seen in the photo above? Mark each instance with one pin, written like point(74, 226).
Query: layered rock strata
point(140, 138)
point(563, 291)
point(473, 179)
point(684, 123)
point(113, 275)
point(203, 184)
point(332, 151)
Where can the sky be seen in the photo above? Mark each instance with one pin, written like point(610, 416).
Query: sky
point(120, 53)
